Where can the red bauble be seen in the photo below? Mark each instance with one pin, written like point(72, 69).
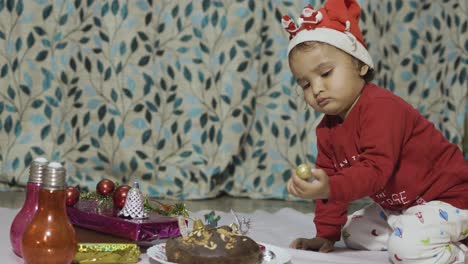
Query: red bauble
point(73, 195)
point(120, 195)
point(105, 187)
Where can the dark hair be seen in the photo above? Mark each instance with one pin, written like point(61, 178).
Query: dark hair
point(368, 77)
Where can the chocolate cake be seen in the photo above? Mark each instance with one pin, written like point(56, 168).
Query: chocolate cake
point(213, 245)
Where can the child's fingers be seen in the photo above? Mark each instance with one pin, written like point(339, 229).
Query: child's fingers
point(291, 188)
point(298, 183)
point(326, 247)
point(296, 244)
point(319, 174)
point(295, 189)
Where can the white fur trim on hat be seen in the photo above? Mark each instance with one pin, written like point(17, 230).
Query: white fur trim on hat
point(344, 41)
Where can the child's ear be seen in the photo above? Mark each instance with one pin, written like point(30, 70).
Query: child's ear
point(364, 70)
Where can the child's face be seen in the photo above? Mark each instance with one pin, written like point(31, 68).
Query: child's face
point(329, 78)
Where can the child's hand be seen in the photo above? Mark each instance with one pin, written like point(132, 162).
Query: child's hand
point(315, 244)
point(318, 188)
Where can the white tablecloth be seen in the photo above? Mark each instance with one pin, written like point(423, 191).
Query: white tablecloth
point(278, 229)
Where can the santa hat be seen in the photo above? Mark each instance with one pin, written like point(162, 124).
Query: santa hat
point(336, 23)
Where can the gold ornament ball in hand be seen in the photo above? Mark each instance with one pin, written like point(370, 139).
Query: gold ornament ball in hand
point(303, 171)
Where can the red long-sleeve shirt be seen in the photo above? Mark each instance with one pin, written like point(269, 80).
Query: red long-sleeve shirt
point(387, 150)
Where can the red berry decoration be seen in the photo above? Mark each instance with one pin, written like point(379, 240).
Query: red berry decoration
point(120, 195)
point(105, 187)
point(73, 195)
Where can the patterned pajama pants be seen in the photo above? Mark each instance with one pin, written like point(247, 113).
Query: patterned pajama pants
point(427, 233)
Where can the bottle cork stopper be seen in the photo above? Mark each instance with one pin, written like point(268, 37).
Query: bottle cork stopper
point(40, 160)
point(55, 165)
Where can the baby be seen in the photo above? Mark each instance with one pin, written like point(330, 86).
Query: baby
point(371, 143)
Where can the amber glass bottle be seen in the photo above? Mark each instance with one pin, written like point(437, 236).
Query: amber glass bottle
point(50, 238)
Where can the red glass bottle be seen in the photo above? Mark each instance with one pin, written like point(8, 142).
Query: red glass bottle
point(50, 238)
point(29, 208)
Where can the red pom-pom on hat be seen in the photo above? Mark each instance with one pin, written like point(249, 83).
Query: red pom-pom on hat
point(343, 11)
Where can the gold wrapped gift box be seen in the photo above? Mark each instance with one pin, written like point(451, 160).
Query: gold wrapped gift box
point(107, 253)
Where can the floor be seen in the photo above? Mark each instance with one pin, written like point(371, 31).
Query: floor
point(223, 203)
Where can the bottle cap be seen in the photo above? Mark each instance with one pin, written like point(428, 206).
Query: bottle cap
point(37, 170)
point(54, 177)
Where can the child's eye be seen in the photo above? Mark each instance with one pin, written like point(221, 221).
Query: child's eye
point(303, 84)
point(326, 74)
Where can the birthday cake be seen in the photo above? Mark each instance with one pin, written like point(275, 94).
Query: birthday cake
point(213, 245)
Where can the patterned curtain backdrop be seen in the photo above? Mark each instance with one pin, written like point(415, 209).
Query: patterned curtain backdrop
point(195, 98)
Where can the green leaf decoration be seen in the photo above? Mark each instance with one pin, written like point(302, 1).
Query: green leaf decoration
point(4, 70)
point(42, 55)
point(115, 7)
point(10, 4)
point(47, 11)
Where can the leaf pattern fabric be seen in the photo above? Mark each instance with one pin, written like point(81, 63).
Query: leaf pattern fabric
point(195, 98)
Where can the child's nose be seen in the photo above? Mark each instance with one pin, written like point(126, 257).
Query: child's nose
point(317, 89)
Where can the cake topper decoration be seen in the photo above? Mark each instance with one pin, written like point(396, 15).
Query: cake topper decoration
point(198, 224)
point(181, 221)
point(241, 225)
point(212, 219)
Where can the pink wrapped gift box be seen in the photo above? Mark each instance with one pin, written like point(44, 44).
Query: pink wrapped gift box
point(87, 214)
